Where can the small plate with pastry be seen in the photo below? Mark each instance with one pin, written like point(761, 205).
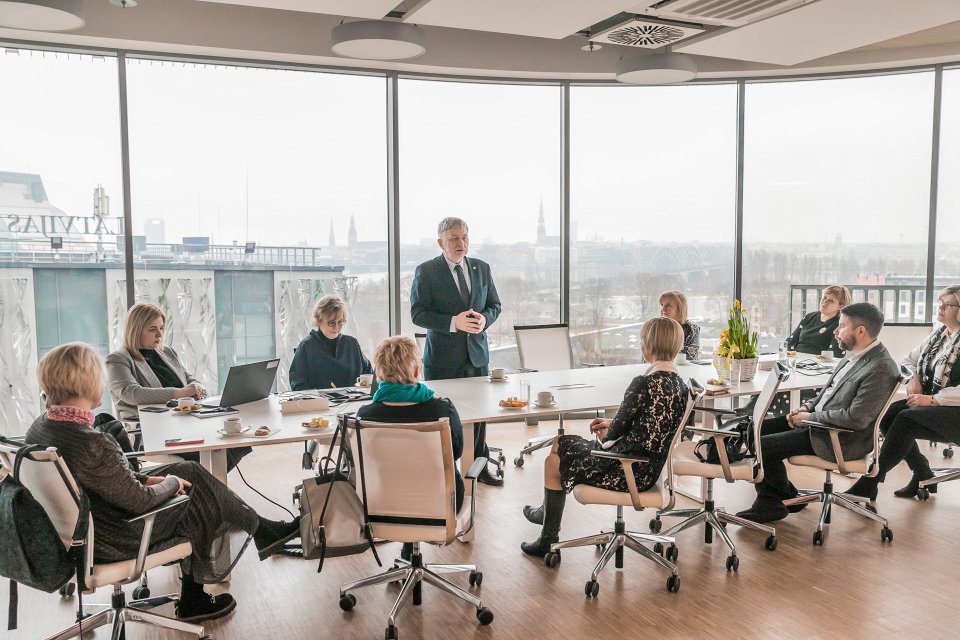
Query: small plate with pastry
point(513, 403)
point(264, 432)
point(316, 423)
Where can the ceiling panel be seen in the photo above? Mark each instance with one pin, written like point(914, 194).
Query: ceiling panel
point(539, 18)
point(374, 9)
point(824, 28)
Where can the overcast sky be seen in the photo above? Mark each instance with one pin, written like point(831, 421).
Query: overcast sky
point(298, 150)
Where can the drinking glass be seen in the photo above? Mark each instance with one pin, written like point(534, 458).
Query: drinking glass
point(524, 391)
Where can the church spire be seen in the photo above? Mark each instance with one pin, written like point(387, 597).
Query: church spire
point(352, 233)
point(332, 241)
point(541, 225)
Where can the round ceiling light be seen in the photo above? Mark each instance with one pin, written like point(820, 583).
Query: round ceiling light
point(666, 68)
point(378, 40)
point(42, 15)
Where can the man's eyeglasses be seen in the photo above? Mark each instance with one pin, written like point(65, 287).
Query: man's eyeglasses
point(946, 305)
point(335, 324)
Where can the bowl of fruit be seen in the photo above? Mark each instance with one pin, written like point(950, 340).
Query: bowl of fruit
point(513, 402)
point(715, 385)
point(316, 423)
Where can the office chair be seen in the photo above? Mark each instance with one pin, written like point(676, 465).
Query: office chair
point(867, 465)
point(544, 347)
point(659, 496)
point(406, 480)
point(686, 463)
point(48, 478)
point(942, 474)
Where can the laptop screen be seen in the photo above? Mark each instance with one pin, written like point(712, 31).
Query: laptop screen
point(249, 382)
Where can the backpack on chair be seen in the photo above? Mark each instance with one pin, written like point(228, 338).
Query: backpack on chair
point(32, 552)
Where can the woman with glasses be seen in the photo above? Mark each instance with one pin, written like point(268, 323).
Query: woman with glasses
point(815, 331)
point(328, 358)
point(932, 408)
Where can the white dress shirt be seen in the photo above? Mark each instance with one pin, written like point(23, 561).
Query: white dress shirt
point(851, 359)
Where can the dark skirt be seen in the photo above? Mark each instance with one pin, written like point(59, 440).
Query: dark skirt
point(577, 466)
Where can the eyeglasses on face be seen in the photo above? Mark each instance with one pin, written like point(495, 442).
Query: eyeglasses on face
point(335, 324)
point(946, 305)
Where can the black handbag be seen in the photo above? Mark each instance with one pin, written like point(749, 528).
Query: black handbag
point(738, 447)
point(32, 552)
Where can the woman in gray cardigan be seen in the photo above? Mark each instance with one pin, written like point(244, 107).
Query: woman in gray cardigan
point(71, 377)
point(145, 371)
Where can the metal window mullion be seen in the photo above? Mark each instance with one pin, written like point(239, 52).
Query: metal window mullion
point(125, 176)
point(565, 202)
point(738, 221)
point(934, 187)
point(393, 203)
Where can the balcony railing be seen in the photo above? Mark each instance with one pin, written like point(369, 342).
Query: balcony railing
point(902, 304)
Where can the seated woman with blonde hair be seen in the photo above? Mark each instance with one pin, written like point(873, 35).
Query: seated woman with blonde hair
point(649, 416)
point(71, 378)
point(673, 305)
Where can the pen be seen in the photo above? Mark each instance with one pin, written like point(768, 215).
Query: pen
point(333, 386)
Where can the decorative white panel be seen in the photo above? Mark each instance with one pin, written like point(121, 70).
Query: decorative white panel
point(295, 295)
point(19, 392)
point(374, 9)
point(188, 301)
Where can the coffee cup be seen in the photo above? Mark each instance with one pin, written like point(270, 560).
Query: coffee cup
point(826, 354)
point(545, 398)
point(365, 380)
point(497, 374)
point(186, 402)
point(232, 425)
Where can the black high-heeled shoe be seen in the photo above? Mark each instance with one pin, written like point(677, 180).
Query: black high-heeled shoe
point(912, 489)
point(864, 487)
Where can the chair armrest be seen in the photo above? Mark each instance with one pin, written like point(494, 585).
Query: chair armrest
point(147, 534)
point(526, 370)
point(175, 501)
point(15, 441)
point(476, 468)
point(829, 427)
point(591, 365)
point(713, 433)
point(613, 455)
point(719, 412)
point(834, 431)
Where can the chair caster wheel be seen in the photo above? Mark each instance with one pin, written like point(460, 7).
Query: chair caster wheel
point(818, 538)
point(591, 589)
point(948, 453)
point(476, 578)
point(348, 601)
point(733, 563)
point(141, 592)
point(502, 459)
point(673, 584)
point(69, 589)
point(923, 493)
point(207, 638)
point(552, 559)
point(672, 553)
point(658, 548)
point(886, 534)
point(391, 633)
point(484, 616)
point(771, 543)
point(656, 525)
point(518, 461)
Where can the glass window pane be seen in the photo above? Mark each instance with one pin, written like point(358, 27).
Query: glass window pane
point(489, 154)
point(836, 191)
point(948, 209)
point(256, 192)
point(59, 235)
point(652, 193)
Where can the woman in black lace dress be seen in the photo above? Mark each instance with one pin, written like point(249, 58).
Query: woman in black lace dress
point(650, 414)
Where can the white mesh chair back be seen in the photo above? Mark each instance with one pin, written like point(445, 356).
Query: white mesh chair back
point(905, 375)
point(761, 408)
point(666, 479)
point(544, 347)
point(408, 473)
point(901, 339)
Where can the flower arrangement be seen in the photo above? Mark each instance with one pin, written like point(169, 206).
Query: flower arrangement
point(737, 342)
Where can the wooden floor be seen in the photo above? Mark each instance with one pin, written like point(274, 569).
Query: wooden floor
point(852, 587)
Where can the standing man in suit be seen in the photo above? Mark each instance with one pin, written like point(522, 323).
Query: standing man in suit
point(853, 397)
point(455, 300)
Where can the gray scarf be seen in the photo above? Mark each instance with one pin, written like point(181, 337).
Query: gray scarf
point(926, 364)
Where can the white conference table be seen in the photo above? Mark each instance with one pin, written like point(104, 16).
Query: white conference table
point(476, 400)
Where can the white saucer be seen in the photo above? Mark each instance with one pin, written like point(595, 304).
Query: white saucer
point(233, 435)
point(503, 379)
point(545, 406)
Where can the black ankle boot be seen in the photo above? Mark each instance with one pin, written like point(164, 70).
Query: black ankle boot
point(553, 502)
point(533, 514)
point(864, 487)
point(406, 551)
point(913, 487)
point(271, 535)
point(196, 605)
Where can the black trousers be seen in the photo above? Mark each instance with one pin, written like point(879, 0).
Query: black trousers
point(433, 372)
point(779, 441)
point(902, 426)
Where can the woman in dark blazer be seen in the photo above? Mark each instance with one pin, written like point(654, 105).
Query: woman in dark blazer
point(815, 331)
point(327, 357)
point(932, 408)
point(71, 378)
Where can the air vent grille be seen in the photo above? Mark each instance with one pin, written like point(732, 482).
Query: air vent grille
point(729, 13)
point(638, 32)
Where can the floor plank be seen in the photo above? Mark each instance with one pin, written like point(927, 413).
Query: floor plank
point(852, 587)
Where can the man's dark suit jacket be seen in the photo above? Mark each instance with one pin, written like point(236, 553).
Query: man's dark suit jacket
point(435, 299)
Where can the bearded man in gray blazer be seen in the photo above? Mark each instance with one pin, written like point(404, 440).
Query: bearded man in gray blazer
point(853, 398)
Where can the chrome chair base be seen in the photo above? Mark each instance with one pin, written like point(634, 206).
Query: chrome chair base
point(120, 613)
point(413, 573)
point(856, 504)
point(943, 474)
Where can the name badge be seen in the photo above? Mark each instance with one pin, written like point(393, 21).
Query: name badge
point(823, 329)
